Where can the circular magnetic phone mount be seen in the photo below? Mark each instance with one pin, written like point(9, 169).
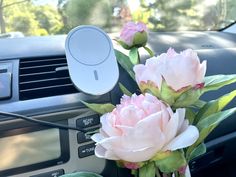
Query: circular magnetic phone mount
point(91, 60)
point(84, 41)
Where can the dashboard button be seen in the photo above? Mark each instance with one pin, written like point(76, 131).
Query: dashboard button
point(86, 150)
point(55, 173)
point(88, 121)
point(82, 137)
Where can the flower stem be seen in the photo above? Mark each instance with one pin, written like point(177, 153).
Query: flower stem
point(158, 173)
point(139, 58)
point(176, 174)
point(182, 175)
point(150, 52)
point(167, 175)
point(135, 173)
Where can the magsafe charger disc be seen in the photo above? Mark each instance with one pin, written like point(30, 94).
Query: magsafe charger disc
point(91, 60)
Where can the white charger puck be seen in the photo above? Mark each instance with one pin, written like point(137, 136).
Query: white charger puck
point(91, 60)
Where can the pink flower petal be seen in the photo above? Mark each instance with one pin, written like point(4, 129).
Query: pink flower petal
point(130, 115)
point(139, 155)
point(185, 139)
point(103, 153)
point(202, 72)
point(181, 113)
point(148, 72)
point(97, 137)
point(107, 125)
point(171, 128)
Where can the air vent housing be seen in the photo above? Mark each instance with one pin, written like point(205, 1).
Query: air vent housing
point(44, 77)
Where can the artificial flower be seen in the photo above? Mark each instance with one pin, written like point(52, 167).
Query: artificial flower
point(140, 127)
point(133, 35)
point(171, 74)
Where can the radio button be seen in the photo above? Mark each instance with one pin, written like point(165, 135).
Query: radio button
point(86, 150)
point(55, 173)
point(88, 121)
point(82, 137)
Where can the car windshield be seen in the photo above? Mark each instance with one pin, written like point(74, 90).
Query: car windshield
point(51, 17)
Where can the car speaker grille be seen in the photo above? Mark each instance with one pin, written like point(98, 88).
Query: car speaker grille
point(44, 77)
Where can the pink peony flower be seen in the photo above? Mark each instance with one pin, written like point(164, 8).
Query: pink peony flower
point(140, 127)
point(134, 34)
point(178, 70)
point(175, 78)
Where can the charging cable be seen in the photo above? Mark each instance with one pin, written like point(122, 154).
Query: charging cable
point(45, 123)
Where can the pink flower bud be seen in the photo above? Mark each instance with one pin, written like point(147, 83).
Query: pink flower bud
point(133, 34)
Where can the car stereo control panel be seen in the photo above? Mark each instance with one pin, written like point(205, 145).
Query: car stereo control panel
point(38, 151)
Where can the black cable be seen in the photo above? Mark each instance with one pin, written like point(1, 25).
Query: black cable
point(45, 123)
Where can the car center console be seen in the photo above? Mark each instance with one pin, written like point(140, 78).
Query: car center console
point(34, 81)
point(33, 150)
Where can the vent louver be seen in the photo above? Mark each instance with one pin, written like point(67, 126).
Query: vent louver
point(44, 77)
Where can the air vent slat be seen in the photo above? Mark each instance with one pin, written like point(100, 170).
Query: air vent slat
point(44, 75)
point(56, 82)
point(40, 69)
point(42, 66)
point(45, 80)
point(33, 74)
point(39, 77)
point(54, 91)
point(42, 88)
point(42, 60)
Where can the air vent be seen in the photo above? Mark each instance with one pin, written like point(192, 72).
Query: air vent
point(44, 77)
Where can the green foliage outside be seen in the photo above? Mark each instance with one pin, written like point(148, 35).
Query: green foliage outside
point(32, 17)
point(172, 15)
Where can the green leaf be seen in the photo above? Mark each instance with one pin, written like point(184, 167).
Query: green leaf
point(207, 125)
point(124, 90)
point(100, 108)
point(187, 98)
point(134, 55)
point(199, 103)
point(167, 94)
point(190, 115)
point(217, 81)
point(199, 150)
point(125, 62)
point(149, 87)
point(215, 106)
point(170, 161)
point(148, 170)
point(149, 51)
point(215, 119)
point(82, 174)
point(123, 44)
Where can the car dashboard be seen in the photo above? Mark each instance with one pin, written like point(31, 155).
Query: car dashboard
point(40, 87)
